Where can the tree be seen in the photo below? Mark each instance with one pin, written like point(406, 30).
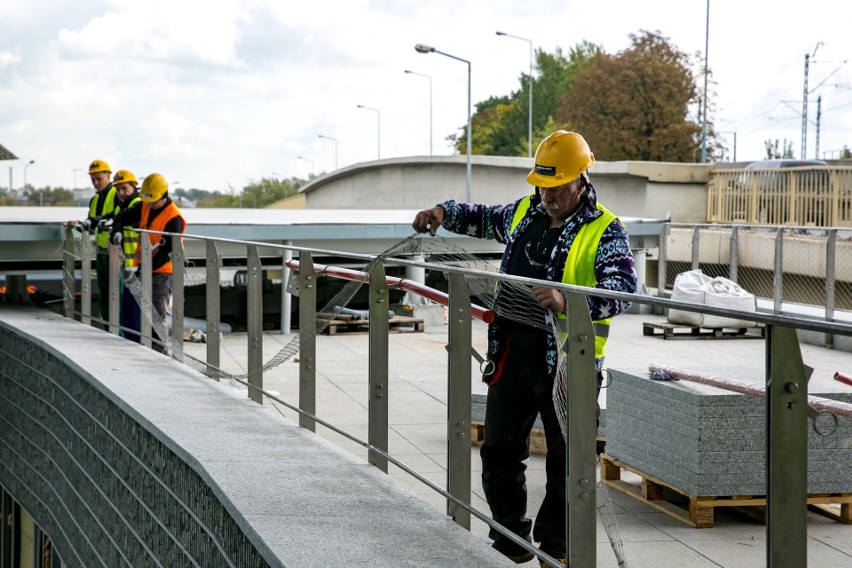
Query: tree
point(635, 105)
point(773, 153)
point(500, 124)
point(57, 197)
point(257, 194)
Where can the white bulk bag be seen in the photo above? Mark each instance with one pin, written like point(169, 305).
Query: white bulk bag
point(696, 287)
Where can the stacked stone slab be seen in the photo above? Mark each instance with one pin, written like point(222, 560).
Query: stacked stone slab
point(710, 442)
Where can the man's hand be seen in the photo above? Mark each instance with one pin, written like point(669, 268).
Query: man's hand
point(105, 224)
point(85, 225)
point(549, 299)
point(116, 238)
point(428, 220)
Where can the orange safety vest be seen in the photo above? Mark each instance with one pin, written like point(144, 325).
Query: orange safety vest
point(159, 224)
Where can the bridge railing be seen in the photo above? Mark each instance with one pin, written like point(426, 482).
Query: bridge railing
point(786, 385)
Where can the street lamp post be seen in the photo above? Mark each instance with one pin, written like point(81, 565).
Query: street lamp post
point(31, 162)
point(530, 85)
point(335, 147)
point(704, 124)
point(307, 160)
point(430, 104)
point(378, 130)
point(421, 48)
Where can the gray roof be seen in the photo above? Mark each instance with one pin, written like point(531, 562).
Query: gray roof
point(6, 154)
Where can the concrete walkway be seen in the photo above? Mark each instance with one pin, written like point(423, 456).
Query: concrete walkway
point(418, 394)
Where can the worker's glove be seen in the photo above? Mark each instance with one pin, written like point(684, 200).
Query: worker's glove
point(105, 224)
point(84, 225)
point(116, 239)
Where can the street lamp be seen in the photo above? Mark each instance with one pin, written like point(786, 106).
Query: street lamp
point(31, 162)
point(335, 146)
point(530, 84)
point(307, 160)
point(379, 129)
point(430, 105)
point(421, 48)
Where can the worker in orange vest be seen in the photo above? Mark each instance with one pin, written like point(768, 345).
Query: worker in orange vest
point(155, 212)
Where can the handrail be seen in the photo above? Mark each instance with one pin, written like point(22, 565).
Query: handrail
point(480, 313)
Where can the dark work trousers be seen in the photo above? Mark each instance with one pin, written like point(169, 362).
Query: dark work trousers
point(102, 274)
point(523, 390)
point(129, 315)
point(161, 289)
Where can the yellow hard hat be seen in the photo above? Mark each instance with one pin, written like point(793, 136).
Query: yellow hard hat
point(154, 187)
point(125, 176)
point(99, 166)
point(560, 158)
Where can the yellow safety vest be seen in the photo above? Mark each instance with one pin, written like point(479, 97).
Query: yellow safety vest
point(106, 199)
point(130, 239)
point(579, 267)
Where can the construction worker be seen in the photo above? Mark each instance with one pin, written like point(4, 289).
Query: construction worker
point(559, 233)
point(101, 206)
point(155, 212)
point(127, 195)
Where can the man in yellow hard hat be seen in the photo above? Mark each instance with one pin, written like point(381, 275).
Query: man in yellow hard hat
point(155, 212)
point(102, 205)
point(558, 233)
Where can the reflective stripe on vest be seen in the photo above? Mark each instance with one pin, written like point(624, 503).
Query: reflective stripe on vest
point(159, 223)
point(130, 240)
point(107, 207)
point(580, 265)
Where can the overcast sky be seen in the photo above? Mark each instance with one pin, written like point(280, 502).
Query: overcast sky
point(215, 93)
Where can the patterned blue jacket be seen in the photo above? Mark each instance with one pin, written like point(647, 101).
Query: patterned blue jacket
point(614, 268)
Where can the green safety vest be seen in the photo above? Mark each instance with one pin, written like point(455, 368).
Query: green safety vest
point(106, 199)
point(580, 265)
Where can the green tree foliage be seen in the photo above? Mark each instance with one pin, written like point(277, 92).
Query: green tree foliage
point(257, 194)
point(635, 105)
point(500, 124)
point(773, 152)
point(50, 197)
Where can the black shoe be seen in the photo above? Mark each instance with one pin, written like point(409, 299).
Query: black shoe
point(517, 555)
point(526, 556)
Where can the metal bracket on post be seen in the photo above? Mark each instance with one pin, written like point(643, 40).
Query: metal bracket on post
point(377, 405)
point(178, 271)
point(459, 399)
point(114, 287)
point(581, 443)
point(830, 279)
point(304, 282)
point(255, 324)
point(145, 251)
point(86, 254)
point(786, 450)
point(212, 302)
point(68, 271)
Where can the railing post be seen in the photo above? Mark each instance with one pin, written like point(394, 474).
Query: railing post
point(830, 280)
point(665, 228)
point(255, 324)
point(377, 405)
point(286, 301)
point(459, 400)
point(146, 278)
point(778, 278)
point(68, 271)
point(734, 253)
point(580, 452)
point(178, 272)
point(114, 287)
point(86, 254)
point(307, 341)
point(696, 247)
point(212, 303)
point(786, 450)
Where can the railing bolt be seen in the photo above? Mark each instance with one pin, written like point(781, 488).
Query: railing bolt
point(791, 387)
point(583, 337)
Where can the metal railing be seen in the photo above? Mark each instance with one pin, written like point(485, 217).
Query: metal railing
point(786, 384)
point(816, 196)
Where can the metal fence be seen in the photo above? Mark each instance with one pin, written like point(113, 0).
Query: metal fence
point(786, 393)
point(814, 196)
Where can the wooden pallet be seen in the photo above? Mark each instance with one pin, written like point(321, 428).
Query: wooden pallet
point(670, 330)
point(697, 511)
point(398, 324)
